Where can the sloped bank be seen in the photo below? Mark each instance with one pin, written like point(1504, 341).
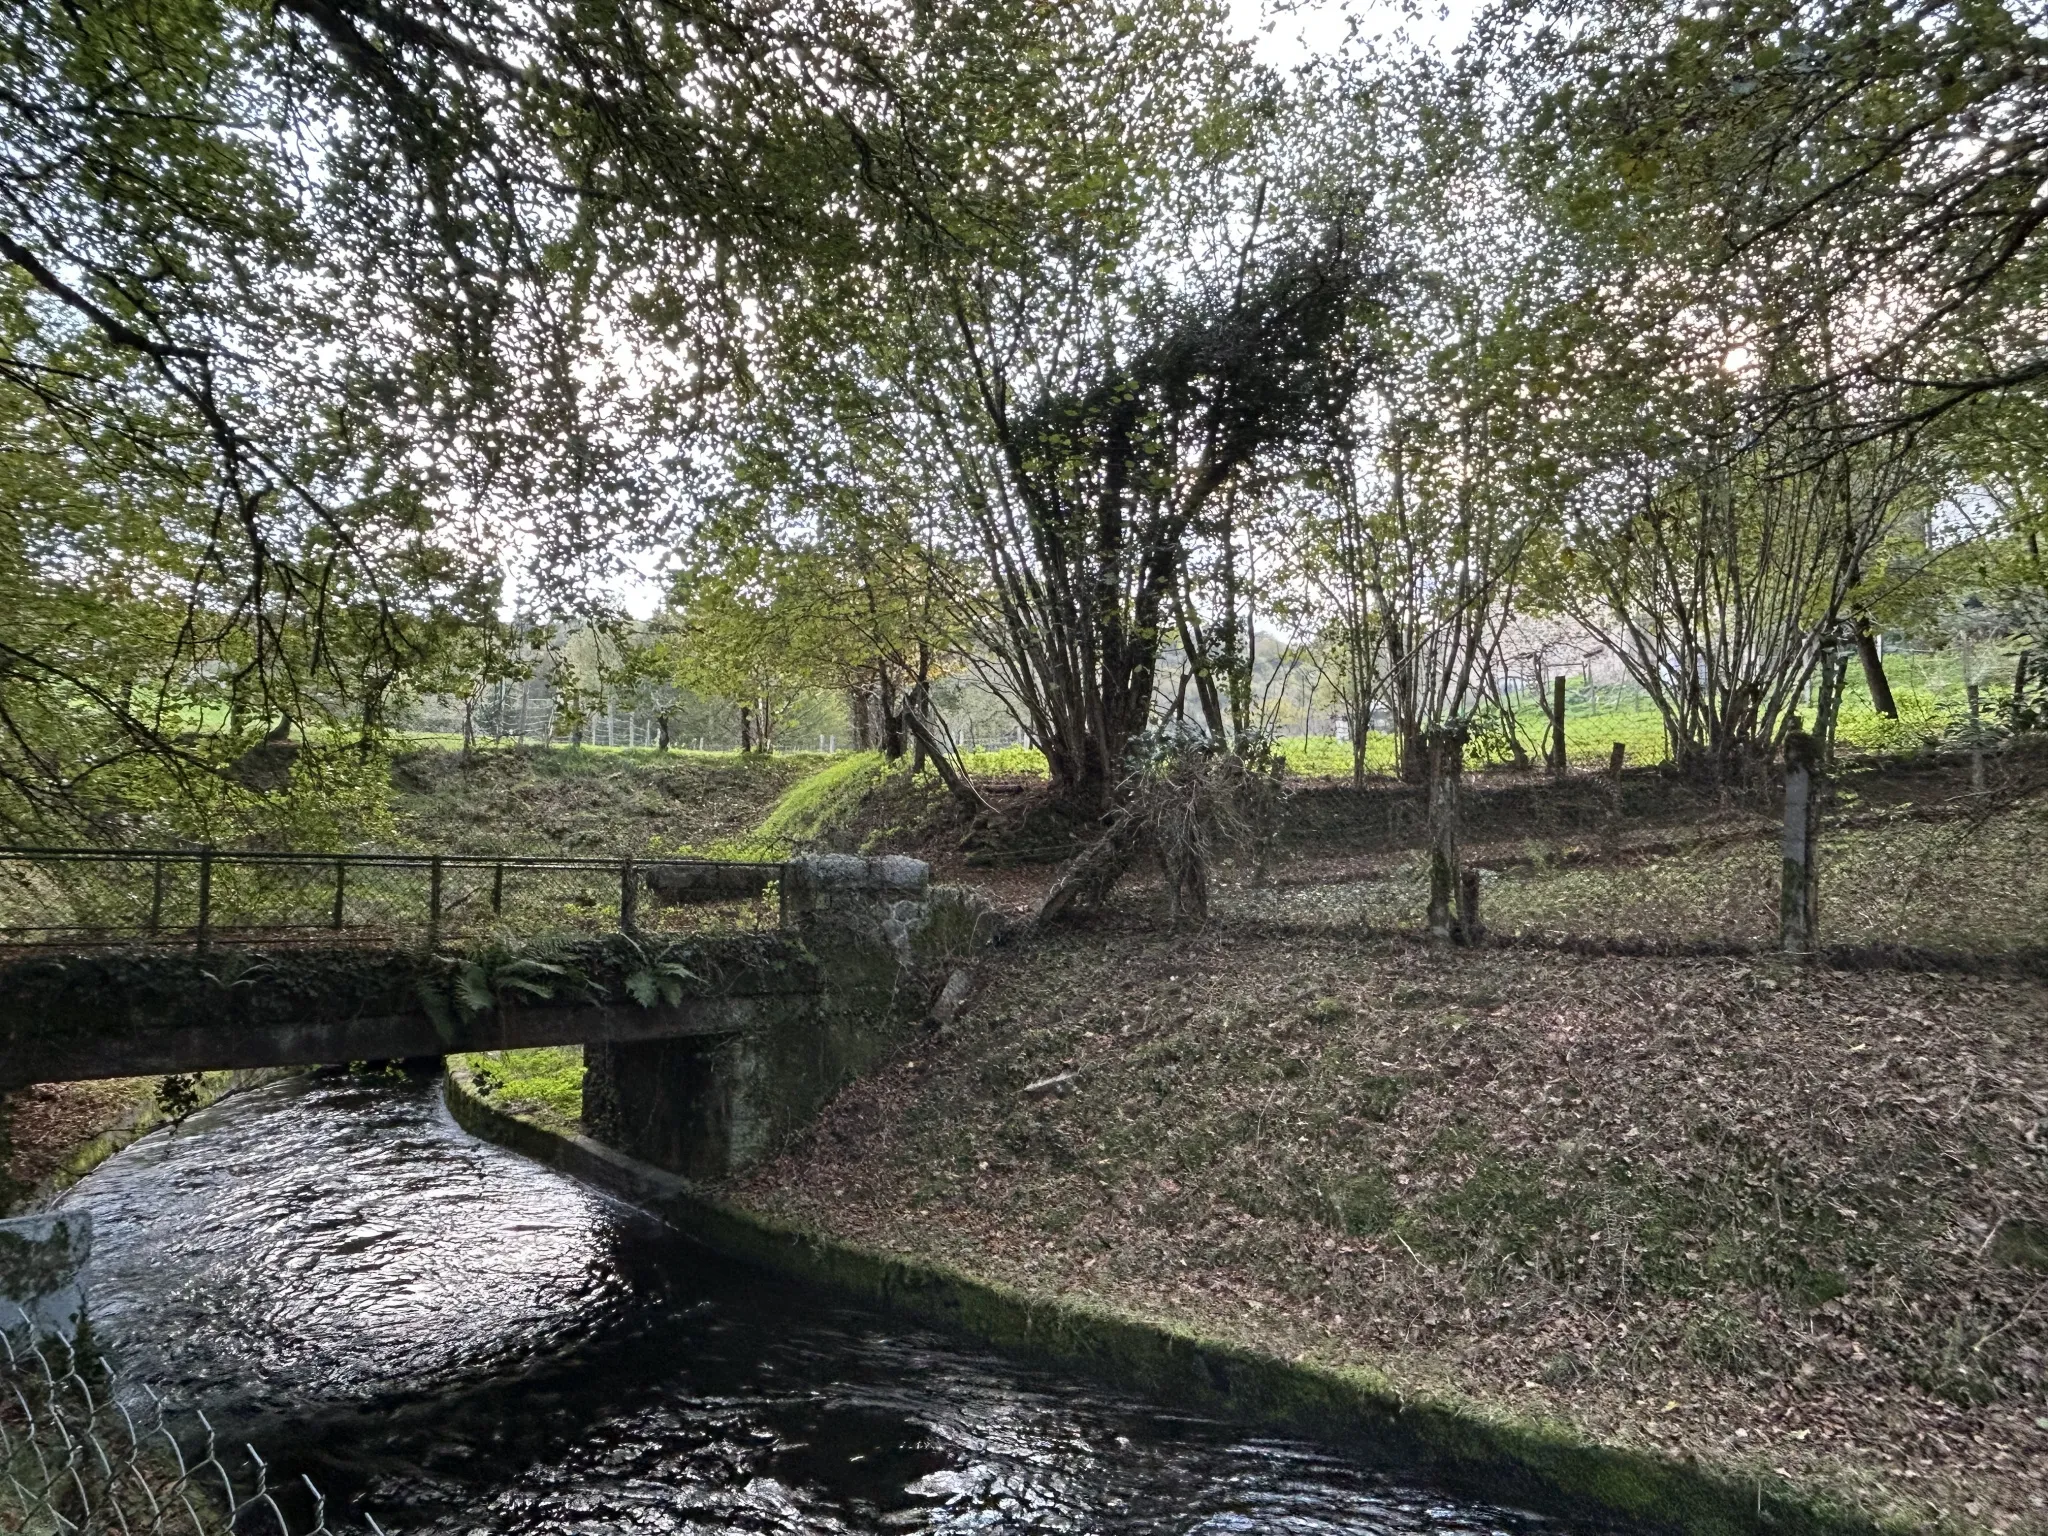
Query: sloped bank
point(1459, 1446)
point(48, 1159)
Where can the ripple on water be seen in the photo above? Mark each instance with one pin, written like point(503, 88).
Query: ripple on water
point(456, 1339)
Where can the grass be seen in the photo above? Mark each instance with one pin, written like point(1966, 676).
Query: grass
point(1004, 763)
point(544, 1084)
point(587, 801)
point(1927, 690)
point(811, 808)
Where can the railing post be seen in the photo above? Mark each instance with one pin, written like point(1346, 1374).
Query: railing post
point(205, 926)
point(629, 897)
point(498, 890)
point(156, 897)
point(1796, 925)
point(434, 903)
point(340, 887)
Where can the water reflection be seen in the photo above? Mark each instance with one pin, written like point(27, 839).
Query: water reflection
point(455, 1339)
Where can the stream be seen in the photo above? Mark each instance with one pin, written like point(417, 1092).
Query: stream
point(450, 1338)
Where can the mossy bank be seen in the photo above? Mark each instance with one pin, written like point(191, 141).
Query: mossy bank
point(1458, 1445)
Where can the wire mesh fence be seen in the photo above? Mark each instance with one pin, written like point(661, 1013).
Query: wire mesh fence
point(84, 1454)
point(1945, 860)
point(67, 898)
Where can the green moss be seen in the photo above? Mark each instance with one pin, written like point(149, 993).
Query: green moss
point(544, 1084)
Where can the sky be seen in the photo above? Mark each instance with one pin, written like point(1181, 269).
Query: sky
point(1295, 31)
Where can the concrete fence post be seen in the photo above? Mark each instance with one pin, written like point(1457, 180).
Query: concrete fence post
point(629, 897)
point(434, 903)
point(340, 892)
point(156, 897)
point(1797, 927)
point(1976, 699)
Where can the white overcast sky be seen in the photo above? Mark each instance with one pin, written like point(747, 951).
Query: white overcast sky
point(1294, 31)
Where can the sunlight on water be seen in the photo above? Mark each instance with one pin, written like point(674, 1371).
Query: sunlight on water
point(454, 1339)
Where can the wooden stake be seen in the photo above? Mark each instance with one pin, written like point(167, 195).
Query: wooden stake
point(1445, 750)
point(1557, 758)
point(1797, 929)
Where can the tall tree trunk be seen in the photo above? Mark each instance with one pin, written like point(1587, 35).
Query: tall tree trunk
point(892, 720)
point(857, 716)
point(1873, 669)
point(919, 702)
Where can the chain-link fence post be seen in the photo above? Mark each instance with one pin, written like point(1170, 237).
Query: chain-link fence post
point(434, 903)
point(204, 929)
point(629, 897)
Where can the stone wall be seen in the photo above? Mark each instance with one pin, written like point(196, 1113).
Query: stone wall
point(884, 939)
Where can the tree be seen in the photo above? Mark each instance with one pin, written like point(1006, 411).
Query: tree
point(1417, 516)
point(1856, 184)
point(329, 303)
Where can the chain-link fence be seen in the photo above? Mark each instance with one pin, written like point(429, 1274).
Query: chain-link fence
point(1943, 858)
point(84, 1454)
point(65, 898)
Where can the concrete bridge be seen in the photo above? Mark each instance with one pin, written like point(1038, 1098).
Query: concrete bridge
point(702, 1052)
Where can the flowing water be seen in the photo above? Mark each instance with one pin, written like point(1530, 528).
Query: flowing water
point(451, 1338)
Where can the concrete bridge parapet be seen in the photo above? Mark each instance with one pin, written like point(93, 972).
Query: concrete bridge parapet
point(884, 939)
point(703, 1052)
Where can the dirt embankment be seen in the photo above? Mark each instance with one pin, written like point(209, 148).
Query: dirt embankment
point(1791, 1222)
point(49, 1130)
point(586, 803)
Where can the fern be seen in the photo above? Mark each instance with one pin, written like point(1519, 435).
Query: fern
point(655, 977)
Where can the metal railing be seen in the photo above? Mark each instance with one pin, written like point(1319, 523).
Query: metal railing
point(201, 897)
point(82, 1455)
